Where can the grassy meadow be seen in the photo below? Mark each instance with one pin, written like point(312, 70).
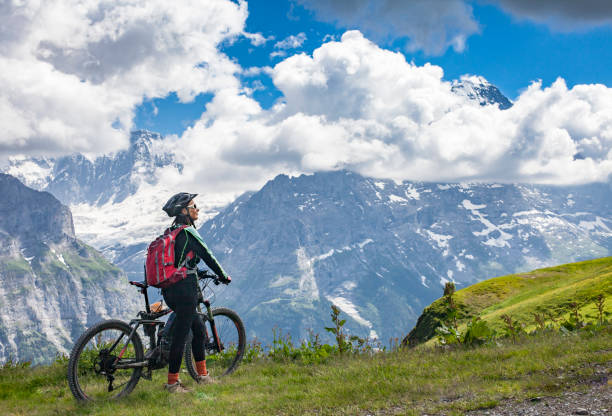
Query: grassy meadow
point(426, 379)
point(406, 381)
point(552, 293)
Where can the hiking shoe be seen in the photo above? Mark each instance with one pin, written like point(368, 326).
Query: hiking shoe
point(177, 387)
point(207, 379)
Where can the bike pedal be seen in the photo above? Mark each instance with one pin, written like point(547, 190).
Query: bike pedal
point(148, 375)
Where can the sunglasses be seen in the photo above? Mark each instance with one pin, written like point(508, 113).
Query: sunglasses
point(194, 206)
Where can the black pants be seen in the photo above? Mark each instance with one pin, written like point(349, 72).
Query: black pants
point(182, 298)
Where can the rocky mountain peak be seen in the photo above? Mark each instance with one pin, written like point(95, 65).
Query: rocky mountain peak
point(76, 179)
point(479, 89)
point(140, 136)
point(25, 212)
point(141, 143)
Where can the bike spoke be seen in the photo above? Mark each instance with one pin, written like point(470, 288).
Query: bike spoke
point(120, 385)
point(217, 360)
point(98, 376)
point(222, 358)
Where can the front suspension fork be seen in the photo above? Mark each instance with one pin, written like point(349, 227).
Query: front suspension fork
point(217, 342)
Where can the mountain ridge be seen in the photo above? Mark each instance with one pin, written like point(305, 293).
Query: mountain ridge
point(76, 179)
point(52, 285)
point(382, 251)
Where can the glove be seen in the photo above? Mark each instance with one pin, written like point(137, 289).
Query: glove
point(225, 280)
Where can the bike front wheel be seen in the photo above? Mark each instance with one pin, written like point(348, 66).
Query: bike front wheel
point(99, 366)
point(232, 338)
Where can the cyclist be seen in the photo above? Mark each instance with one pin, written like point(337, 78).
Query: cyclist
point(182, 296)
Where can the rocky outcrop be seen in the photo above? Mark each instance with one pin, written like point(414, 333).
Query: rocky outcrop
point(28, 214)
point(76, 179)
point(52, 286)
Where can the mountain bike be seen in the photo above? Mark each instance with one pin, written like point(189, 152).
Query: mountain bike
point(108, 360)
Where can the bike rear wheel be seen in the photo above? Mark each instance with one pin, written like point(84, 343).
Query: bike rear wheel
point(232, 337)
point(94, 368)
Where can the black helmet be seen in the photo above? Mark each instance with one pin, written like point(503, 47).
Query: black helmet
point(179, 201)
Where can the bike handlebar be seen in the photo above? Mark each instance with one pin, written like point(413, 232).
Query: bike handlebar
point(203, 274)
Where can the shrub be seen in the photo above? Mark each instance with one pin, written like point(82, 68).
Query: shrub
point(309, 351)
point(338, 330)
point(447, 335)
point(253, 351)
point(477, 333)
point(512, 328)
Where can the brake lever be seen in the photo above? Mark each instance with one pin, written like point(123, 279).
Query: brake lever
point(203, 274)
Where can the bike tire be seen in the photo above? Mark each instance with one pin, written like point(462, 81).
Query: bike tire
point(84, 382)
point(233, 337)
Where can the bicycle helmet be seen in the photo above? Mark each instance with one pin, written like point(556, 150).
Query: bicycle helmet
point(177, 202)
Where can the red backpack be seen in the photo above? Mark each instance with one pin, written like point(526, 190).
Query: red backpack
point(159, 267)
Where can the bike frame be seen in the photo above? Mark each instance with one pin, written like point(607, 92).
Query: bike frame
point(151, 318)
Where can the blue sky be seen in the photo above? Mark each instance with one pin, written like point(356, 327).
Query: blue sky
point(509, 51)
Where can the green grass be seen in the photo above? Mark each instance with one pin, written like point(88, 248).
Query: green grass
point(544, 291)
point(82, 260)
point(12, 264)
point(409, 381)
point(89, 263)
point(424, 379)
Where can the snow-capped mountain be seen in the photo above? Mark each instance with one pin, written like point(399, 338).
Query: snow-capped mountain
point(115, 200)
point(382, 251)
point(379, 250)
point(479, 89)
point(52, 285)
point(76, 179)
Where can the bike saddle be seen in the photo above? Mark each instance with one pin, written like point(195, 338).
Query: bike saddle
point(142, 284)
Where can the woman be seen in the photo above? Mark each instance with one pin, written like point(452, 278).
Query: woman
point(182, 296)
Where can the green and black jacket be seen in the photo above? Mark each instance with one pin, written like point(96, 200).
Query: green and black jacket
point(190, 240)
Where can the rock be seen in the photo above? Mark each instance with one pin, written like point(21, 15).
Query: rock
point(581, 411)
point(29, 214)
point(52, 286)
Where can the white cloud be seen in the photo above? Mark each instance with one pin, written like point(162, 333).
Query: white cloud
point(256, 85)
point(254, 71)
point(328, 38)
point(257, 39)
point(565, 15)
point(435, 26)
point(355, 105)
point(351, 104)
point(72, 71)
point(278, 54)
point(432, 26)
point(291, 42)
